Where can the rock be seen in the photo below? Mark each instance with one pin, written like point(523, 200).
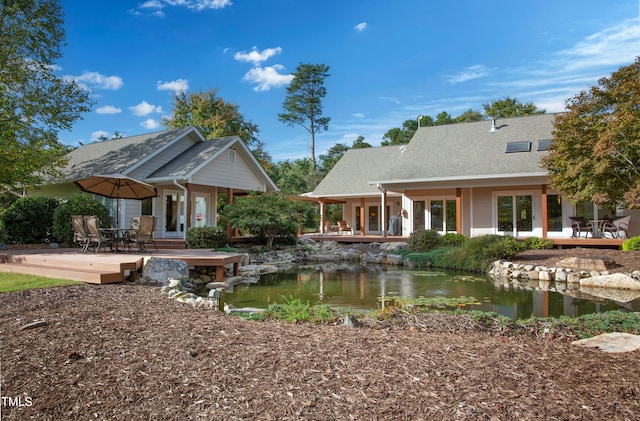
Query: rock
point(615, 280)
point(306, 241)
point(161, 270)
point(393, 246)
point(619, 295)
point(587, 263)
point(573, 277)
point(216, 285)
point(612, 342)
point(173, 283)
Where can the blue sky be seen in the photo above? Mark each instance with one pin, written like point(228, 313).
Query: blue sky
point(389, 61)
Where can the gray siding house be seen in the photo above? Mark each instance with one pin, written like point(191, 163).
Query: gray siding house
point(187, 170)
point(471, 178)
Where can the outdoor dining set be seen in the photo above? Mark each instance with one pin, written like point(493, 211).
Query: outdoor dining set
point(88, 234)
point(600, 228)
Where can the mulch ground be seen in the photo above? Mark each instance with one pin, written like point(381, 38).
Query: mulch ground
point(128, 352)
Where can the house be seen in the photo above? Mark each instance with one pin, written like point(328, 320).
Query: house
point(470, 178)
point(188, 171)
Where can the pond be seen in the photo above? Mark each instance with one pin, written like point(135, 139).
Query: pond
point(373, 287)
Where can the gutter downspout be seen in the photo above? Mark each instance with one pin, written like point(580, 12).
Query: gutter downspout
point(184, 211)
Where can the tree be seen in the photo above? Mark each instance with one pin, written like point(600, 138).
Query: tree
point(359, 143)
point(214, 117)
point(35, 104)
point(510, 107)
point(303, 103)
point(444, 118)
point(333, 156)
point(401, 136)
point(294, 177)
point(269, 216)
point(469, 116)
point(595, 153)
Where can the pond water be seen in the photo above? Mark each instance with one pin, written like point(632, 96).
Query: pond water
point(374, 287)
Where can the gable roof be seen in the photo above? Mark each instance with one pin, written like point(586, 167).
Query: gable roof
point(472, 151)
point(121, 155)
point(460, 153)
point(354, 171)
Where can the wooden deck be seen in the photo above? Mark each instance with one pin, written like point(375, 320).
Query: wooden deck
point(104, 268)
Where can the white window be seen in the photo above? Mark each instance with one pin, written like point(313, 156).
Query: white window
point(231, 156)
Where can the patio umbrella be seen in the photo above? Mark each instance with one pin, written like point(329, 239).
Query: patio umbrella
point(117, 186)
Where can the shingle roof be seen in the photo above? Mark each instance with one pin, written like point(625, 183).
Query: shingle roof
point(117, 155)
point(351, 175)
point(193, 158)
point(454, 151)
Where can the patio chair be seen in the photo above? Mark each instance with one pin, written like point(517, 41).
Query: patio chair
point(617, 228)
point(579, 225)
point(144, 235)
point(344, 227)
point(129, 235)
point(80, 235)
point(96, 237)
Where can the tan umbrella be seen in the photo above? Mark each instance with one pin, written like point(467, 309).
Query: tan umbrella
point(117, 186)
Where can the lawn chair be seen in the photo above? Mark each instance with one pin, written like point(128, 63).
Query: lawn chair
point(96, 237)
point(144, 235)
point(617, 228)
point(80, 235)
point(344, 227)
point(579, 225)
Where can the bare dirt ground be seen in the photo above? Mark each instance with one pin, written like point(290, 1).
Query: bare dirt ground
point(127, 352)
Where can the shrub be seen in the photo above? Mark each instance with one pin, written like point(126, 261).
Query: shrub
point(207, 237)
point(451, 239)
point(77, 204)
point(632, 243)
point(537, 243)
point(29, 220)
point(424, 240)
point(503, 249)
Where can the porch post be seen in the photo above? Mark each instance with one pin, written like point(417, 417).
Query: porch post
point(189, 207)
point(458, 210)
point(545, 211)
point(362, 218)
point(322, 216)
point(383, 211)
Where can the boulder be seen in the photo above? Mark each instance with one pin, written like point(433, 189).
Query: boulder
point(599, 264)
point(612, 342)
point(160, 270)
point(614, 280)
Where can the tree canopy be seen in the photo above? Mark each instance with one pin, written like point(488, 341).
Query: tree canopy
point(303, 103)
point(595, 153)
point(510, 107)
point(35, 104)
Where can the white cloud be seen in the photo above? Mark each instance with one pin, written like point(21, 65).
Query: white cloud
point(150, 124)
point(95, 80)
point(97, 135)
point(156, 6)
point(256, 57)
point(108, 109)
point(144, 108)
point(472, 72)
point(358, 115)
point(267, 77)
point(360, 27)
point(175, 86)
point(613, 46)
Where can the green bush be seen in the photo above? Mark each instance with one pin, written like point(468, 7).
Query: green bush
point(503, 249)
point(632, 243)
point(424, 240)
point(451, 239)
point(77, 204)
point(29, 220)
point(207, 237)
point(537, 243)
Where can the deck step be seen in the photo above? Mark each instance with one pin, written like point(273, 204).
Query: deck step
point(72, 274)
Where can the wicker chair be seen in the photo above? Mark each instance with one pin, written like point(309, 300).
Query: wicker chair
point(617, 228)
point(579, 225)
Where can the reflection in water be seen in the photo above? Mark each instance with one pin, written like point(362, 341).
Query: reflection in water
point(371, 287)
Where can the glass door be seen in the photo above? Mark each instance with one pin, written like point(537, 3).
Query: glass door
point(173, 214)
point(201, 210)
point(515, 215)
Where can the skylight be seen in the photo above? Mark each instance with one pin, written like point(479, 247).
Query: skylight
point(543, 145)
point(518, 147)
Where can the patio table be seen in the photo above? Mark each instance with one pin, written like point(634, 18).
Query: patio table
point(118, 236)
point(596, 227)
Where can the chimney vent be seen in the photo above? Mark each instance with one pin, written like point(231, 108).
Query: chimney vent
point(494, 128)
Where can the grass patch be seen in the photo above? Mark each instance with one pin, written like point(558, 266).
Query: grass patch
point(295, 311)
point(20, 282)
